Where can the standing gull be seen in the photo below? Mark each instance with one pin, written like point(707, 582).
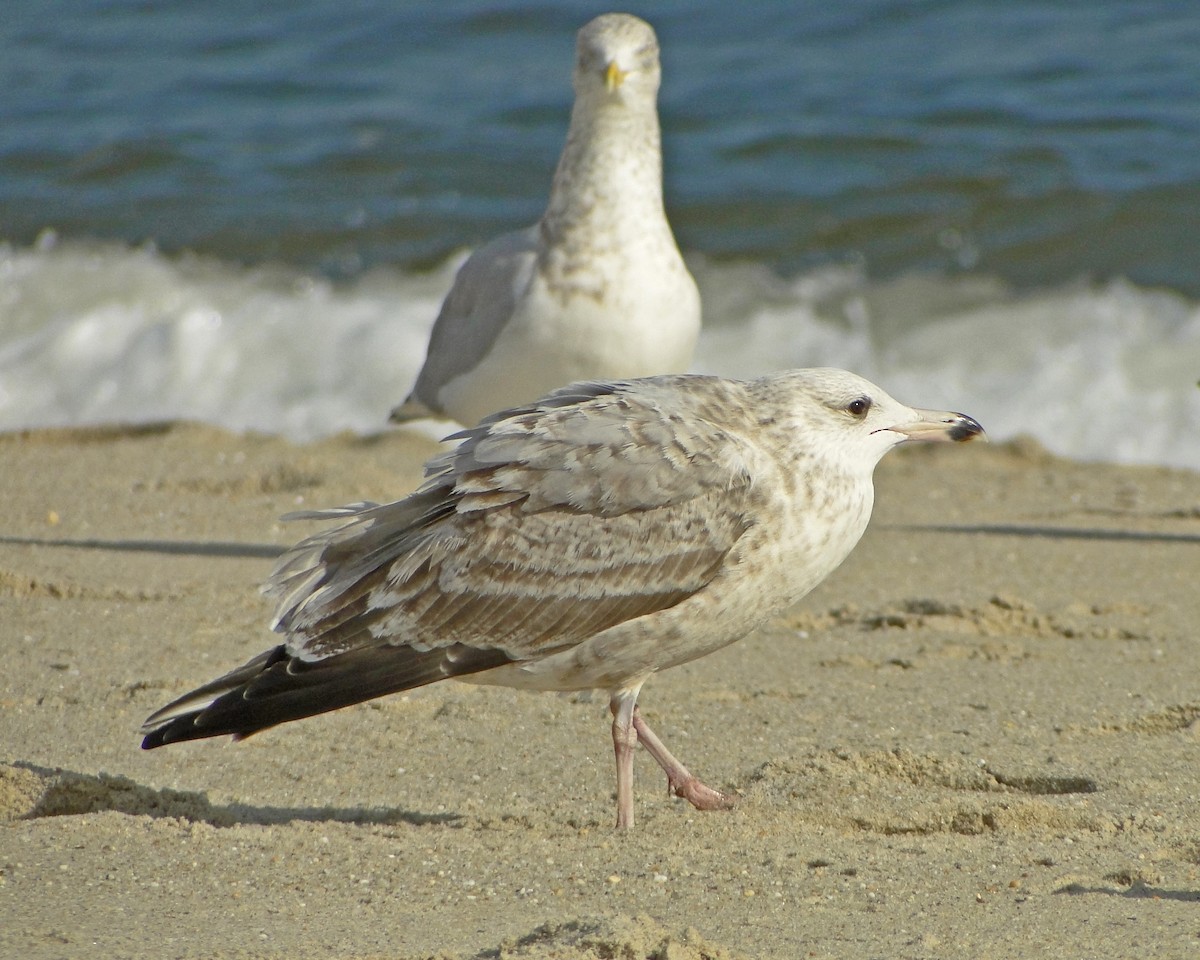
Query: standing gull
point(596, 288)
point(588, 540)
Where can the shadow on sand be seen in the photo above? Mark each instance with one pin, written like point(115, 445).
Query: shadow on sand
point(63, 793)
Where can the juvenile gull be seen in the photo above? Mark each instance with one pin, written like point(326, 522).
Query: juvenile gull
point(588, 540)
point(596, 289)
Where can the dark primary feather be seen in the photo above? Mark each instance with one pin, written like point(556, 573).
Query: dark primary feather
point(275, 687)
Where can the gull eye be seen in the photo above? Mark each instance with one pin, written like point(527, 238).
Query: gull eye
point(858, 407)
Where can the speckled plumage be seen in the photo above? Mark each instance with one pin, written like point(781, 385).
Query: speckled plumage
point(588, 540)
point(597, 288)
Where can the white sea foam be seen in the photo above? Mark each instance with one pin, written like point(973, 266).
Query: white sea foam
point(1097, 372)
point(95, 333)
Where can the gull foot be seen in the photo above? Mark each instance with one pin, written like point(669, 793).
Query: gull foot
point(700, 795)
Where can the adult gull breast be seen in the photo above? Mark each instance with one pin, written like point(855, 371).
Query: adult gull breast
point(588, 540)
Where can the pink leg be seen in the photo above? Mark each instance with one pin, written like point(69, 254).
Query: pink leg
point(680, 780)
point(625, 738)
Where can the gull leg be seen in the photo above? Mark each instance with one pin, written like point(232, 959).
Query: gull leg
point(680, 781)
point(625, 738)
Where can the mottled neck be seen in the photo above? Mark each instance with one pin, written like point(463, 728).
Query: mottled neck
point(613, 161)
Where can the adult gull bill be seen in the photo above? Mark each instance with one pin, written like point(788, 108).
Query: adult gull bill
point(597, 288)
point(588, 540)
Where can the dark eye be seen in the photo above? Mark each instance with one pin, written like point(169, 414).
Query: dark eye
point(859, 407)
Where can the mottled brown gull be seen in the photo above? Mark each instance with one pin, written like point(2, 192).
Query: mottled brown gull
point(585, 541)
point(596, 289)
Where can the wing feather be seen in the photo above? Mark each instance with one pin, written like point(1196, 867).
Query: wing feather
point(548, 524)
point(482, 298)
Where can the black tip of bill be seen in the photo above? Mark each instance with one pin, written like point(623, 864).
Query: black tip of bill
point(965, 428)
point(940, 426)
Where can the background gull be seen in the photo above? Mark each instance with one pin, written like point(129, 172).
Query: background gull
point(585, 541)
point(597, 288)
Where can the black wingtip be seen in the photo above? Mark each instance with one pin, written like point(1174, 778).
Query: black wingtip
point(184, 728)
point(171, 733)
point(180, 729)
point(166, 726)
point(275, 688)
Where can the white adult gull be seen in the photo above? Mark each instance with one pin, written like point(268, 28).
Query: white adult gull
point(597, 288)
point(588, 540)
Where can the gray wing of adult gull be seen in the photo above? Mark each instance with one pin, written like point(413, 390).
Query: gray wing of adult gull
point(482, 300)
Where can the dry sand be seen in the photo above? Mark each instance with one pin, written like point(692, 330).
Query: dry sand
point(977, 739)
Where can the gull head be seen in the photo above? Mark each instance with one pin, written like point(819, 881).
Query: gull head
point(846, 420)
point(614, 54)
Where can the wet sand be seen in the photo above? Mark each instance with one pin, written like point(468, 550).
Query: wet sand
point(976, 739)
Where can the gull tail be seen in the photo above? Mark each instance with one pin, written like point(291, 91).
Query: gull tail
point(276, 687)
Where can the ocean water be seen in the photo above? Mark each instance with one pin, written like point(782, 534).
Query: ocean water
point(250, 218)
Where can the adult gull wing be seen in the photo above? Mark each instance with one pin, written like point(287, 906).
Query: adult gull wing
point(588, 540)
point(596, 289)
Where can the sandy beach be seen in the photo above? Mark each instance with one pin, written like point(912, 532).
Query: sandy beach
point(977, 739)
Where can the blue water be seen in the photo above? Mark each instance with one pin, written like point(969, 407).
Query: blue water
point(1014, 185)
